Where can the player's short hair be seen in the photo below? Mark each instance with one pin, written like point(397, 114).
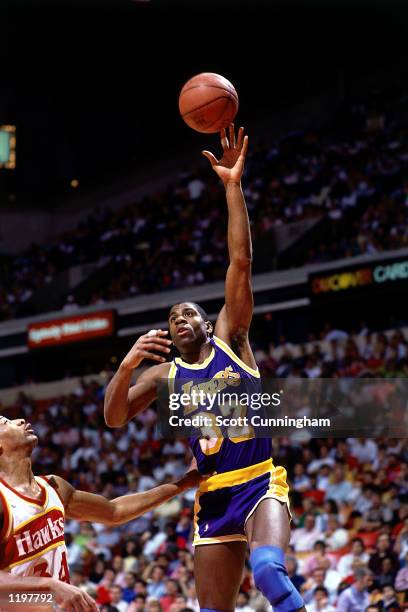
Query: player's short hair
point(198, 308)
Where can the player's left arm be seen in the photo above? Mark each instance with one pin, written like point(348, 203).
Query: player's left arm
point(84, 506)
point(234, 320)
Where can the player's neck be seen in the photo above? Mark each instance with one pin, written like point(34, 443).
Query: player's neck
point(16, 471)
point(197, 354)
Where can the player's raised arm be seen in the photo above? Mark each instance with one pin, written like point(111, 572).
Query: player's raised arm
point(84, 506)
point(123, 402)
point(235, 318)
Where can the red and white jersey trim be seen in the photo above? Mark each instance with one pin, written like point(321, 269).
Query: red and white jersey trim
point(32, 538)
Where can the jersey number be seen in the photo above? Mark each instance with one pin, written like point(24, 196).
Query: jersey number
point(212, 440)
point(42, 570)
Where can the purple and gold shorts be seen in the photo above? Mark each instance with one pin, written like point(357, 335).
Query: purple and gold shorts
point(224, 502)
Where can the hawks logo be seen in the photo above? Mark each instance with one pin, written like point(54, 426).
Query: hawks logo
point(37, 535)
point(30, 541)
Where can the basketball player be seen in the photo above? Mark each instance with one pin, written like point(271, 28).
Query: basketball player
point(246, 501)
point(32, 513)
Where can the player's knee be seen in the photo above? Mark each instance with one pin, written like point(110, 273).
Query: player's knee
point(271, 578)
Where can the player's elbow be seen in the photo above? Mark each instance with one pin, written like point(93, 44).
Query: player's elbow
point(113, 418)
point(242, 262)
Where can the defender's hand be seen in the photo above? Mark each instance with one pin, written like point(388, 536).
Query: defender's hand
point(192, 477)
point(69, 597)
point(154, 340)
point(231, 165)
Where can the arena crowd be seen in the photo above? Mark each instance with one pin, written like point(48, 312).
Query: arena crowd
point(167, 241)
point(349, 496)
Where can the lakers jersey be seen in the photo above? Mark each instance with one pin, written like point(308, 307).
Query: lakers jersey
point(222, 371)
point(32, 538)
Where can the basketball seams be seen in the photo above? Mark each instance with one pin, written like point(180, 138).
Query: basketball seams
point(193, 110)
point(232, 92)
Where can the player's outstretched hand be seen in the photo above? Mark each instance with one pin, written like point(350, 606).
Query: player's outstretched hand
point(231, 165)
point(146, 347)
point(69, 597)
point(192, 477)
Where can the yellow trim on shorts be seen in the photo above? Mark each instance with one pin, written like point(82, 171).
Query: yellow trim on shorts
point(227, 349)
point(236, 477)
point(237, 537)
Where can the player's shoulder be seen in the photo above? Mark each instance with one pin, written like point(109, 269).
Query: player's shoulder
point(63, 489)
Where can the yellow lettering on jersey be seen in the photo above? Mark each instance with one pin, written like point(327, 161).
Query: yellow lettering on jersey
point(219, 381)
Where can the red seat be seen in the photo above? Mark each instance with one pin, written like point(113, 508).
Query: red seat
point(369, 537)
point(316, 494)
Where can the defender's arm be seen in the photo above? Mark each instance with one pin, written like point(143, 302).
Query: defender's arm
point(84, 506)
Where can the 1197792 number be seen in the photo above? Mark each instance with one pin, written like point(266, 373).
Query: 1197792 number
point(24, 598)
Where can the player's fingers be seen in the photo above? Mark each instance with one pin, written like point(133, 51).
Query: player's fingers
point(224, 140)
point(240, 138)
point(148, 355)
point(212, 159)
point(244, 147)
point(90, 604)
point(151, 346)
point(232, 136)
point(155, 340)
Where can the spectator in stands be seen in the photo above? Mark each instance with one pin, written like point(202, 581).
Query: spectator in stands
point(357, 557)
point(320, 601)
point(172, 591)
point(317, 559)
point(356, 598)
point(339, 488)
point(116, 599)
point(389, 600)
point(383, 551)
point(156, 587)
point(335, 536)
point(377, 514)
point(321, 577)
point(292, 568)
point(304, 538)
point(138, 604)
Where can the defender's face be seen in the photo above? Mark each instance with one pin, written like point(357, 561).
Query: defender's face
point(186, 325)
point(15, 434)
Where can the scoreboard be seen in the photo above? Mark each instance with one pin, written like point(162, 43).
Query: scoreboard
point(7, 146)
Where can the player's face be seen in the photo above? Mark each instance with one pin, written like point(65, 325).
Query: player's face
point(16, 434)
point(186, 325)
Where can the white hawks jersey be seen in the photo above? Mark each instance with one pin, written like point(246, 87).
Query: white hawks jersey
point(32, 538)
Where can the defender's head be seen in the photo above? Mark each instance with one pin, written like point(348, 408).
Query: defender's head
point(16, 436)
point(189, 325)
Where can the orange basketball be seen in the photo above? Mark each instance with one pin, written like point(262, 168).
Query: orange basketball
point(208, 102)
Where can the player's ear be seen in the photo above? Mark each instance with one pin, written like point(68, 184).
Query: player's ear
point(209, 327)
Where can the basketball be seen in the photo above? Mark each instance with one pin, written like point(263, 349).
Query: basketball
point(208, 102)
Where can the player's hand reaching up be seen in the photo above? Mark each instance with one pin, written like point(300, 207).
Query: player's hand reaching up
point(147, 347)
point(231, 165)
